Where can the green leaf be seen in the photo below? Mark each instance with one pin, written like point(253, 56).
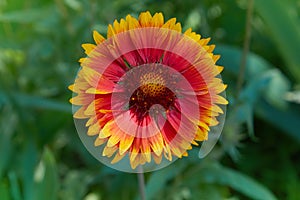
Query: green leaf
point(27, 165)
point(285, 30)
point(207, 191)
point(74, 4)
point(286, 120)
point(31, 101)
point(243, 113)
point(46, 178)
point(75, 184)
point(249, 96)
point(231, 59)
point(241, 183)
point(255, 88)
point(159, 179)
point(14, 186)
point(271, 84)
point(276, 89)
point(25, 16)
point(40, 102)
point(7, 125)
point(260, 74)
point(214, 173)
point(256, 66)
point(4, 191)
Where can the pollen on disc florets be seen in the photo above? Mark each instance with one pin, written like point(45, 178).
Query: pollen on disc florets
point(147, 86)
point(152, 84)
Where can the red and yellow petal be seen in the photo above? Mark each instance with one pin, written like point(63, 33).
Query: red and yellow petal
point(97, 81)
point(98, 38)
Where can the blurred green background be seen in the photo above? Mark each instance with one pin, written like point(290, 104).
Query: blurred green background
point(41, 155)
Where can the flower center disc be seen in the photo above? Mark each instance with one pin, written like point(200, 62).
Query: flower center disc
point(152, 84)
point(147, 96)
point(147, 86)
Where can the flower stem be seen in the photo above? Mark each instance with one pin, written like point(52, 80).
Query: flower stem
point(141, 181)
point(241, 76)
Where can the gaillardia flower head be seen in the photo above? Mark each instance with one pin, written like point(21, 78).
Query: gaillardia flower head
point(147, 93)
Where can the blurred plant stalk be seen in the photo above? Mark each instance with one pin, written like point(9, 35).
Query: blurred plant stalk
point(242, 69)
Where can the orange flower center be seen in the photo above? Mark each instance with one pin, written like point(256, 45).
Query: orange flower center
point(152, 84)
point(149, 86)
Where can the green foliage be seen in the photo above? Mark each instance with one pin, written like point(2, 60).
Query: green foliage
point(41, 155)
point(235, 180)
point(46, 177)
point(284, 22)
point(206, 180)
